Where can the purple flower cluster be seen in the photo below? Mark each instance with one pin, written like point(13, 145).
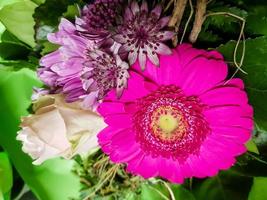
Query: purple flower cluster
point(96, 51)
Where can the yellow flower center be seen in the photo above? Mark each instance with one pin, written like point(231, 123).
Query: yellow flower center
point(168, 123)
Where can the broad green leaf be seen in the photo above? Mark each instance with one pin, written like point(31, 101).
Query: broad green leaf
point(256, 80)
point(51, 181)
point(2, 29)
point(38, 1)
point(160, 192)
point(5, 173)
point(47, 17)
point(3, 3)
point(251, 165)
point(259, 189)
point(252, 147)
point(153, 191)
point(17, 18)
point(225, 186)
point(181, 193)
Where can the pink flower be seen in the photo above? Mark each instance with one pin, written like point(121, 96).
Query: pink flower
point(79, 69)
point(180, 120)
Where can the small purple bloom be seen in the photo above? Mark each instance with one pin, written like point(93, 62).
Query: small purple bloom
point(142, 34)
point(102, 73)
point(79, 69)
point(98, 19)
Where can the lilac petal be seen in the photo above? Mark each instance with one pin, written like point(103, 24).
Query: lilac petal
point(142, 59)
point(135, 7)
point(90, 100)
point(152, 55)
point(87, 84)
point(120, 38)
point(165, 35)
point(163, 49)
point(121, 85)
point(157, 11)
point(66, 26)
point(126, 48)
point(163, 22)
point(128, 15)
point(144, 6)
point(132, 56)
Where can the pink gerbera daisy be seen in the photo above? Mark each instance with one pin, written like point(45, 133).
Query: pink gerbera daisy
point(180, 120)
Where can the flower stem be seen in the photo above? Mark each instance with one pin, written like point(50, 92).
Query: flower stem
point(177, 16)
point(199, 19)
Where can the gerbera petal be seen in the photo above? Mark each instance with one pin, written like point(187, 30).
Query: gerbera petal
point(174, 173)
point(167, 73)
point(202, 74)
point(237, 134)
point(214, 117)
point(136, 88)
point(230, 116)
point(224, 96)
point(109, 108)
point(147, 167)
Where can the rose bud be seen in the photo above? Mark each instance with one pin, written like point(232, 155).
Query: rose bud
point(58, 128)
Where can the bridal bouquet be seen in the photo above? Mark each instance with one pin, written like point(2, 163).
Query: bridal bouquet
point(145, 100)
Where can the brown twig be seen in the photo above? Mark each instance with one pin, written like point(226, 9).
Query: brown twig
point(177, 16)
point(199, 19)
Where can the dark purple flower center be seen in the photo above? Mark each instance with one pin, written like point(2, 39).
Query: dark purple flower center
point(101, 15)
point(104, 73)
point(170, 124)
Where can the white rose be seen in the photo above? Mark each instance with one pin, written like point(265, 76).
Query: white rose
point(59, 129)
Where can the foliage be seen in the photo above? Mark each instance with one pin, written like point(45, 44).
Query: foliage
point(24, 25)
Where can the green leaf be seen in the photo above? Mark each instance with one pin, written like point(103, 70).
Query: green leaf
point(158, 191)
point(225, 186)
point(251, 165)
point(3, 3)
point(259, 189)
point(153, 191)
point(181, 193)
point(51, 181)
point(252, 147)
point(17, 18)
point(256, 80)
point(38, 1)
point(11, 47)
point(224, 23)
point(47, 17)
point(6, 180)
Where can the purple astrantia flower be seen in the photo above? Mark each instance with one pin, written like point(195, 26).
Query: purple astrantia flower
point(142, 34)
point(62, 69)
point(97, 20)
point(102, 73)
